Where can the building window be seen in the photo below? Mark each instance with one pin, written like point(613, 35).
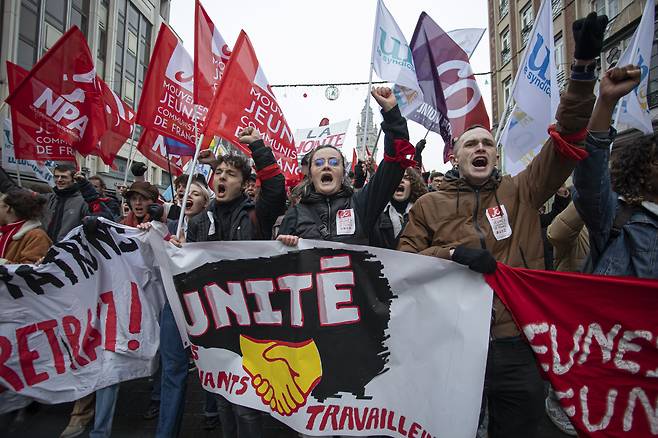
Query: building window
point(527, 18)
point(560, 62)
point(504, 8)
point(121, 164)
point(101, 53)
point(43, 22)
point(28, 33)
point(607, 7)
point(652, 96)
point(557, 7)
point(132, 54)
point(507, 89)
point(506, 50)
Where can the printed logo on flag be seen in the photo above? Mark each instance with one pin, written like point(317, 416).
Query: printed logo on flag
point(536, 70)
point(304, 323)
point(393, 51)
point(180, 68)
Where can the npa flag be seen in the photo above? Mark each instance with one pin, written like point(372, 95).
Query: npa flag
point(62, 92)
point(167, 105)
point(600, 355)
point(153, 146)
point(334, 339)
point(536, 95)
point(393, 62)
point(34, 140)
point(245, 98)
point(120, 121)
point(453, 102)
point(634, 107)
point(211, 53)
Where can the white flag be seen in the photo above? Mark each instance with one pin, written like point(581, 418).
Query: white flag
point(536, 94)
point(634, 107)
point(467, 38)
point(393, 62)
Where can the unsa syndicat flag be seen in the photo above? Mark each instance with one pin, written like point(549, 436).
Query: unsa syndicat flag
point(245, 98)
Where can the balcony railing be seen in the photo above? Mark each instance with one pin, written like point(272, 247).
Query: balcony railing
point(505, 55)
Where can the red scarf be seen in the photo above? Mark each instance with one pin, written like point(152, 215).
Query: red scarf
point(6, 233)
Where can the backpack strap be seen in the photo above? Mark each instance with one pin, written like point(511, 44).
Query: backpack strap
point(322, 227)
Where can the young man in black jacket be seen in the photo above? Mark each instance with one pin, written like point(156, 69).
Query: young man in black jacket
point(233, 216)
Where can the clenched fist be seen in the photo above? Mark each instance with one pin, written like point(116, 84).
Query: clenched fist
point(384, 97)
point(248, 135)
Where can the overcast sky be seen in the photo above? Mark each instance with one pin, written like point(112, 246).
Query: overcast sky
point(307, 41)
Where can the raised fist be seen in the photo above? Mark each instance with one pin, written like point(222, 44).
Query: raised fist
point(283, 374)
point(384, 97)
point(588, 35)
point(618, 82)
point(248, 135)
point(138, 169)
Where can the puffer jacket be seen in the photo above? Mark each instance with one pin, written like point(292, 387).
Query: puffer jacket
point(634, 251)
point(316, 215)
point(457, 213)
point(28, 245)
point(570, 239)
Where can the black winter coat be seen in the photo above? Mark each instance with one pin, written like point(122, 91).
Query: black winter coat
point(315, 217)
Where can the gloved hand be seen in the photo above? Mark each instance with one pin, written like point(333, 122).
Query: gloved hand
point(138, 169)
point(478, 260)
point(90, 225)
point(588, 35)
point(421, 145)
point(155, 212)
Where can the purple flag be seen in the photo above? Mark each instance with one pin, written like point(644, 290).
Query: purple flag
point(452, 98)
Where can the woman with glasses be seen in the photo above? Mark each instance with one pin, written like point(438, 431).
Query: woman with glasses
point(329, 209)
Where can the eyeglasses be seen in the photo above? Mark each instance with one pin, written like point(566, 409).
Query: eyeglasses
point(333, 162)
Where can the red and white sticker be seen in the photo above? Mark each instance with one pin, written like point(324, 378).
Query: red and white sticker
point(345, 222)
point(499, 222)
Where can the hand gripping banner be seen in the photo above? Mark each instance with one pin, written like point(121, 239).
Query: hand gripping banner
point(334, 339)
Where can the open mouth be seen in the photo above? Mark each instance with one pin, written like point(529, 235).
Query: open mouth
point(400, 189)
point(480, 162)
point(221, 189)
point(326, 178)
point(188, 203)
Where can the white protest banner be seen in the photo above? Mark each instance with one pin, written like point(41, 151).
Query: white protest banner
point(334, 339)
point(634, 106)
point(536, 94)
point(310, 138)
point(10, 162)
point(84, 319)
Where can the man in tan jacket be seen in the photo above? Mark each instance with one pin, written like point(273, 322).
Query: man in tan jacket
point(479, 217)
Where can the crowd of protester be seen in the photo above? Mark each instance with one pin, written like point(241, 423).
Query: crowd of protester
point(603, 221)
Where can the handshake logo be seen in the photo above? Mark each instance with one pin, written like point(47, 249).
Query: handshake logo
point(282, 373)
point(306, 323)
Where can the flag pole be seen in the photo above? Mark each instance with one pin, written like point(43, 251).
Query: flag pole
point(131, 155)
point(364, 138)
point(171, 181)
point(198, 140)
point(374, 150)
point(635, 44)
point(428, 131)
point(18, 172)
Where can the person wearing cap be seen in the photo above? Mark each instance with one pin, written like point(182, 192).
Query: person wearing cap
point(252, 189)
point(142, 197)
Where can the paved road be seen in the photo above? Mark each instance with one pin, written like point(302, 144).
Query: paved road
point(49, 420)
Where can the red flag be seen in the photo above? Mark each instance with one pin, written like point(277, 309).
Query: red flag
point(324, 122)
point(355, 159)
point(594, 337)
point(166, 104)
point(211, 53)
point(120, 120)
point(34, 140)
point(152, 146)
point(61, 90)
point(245, 98)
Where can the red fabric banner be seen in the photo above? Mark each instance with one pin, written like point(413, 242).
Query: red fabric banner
point(211, 53)
point(245, 98)
point(61, 91)
point(152, 146)
point(596, 339)
point(34, 140)
point(120, 120)
point(167, 105)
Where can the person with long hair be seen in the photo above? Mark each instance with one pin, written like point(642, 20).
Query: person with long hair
point(22, 238)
